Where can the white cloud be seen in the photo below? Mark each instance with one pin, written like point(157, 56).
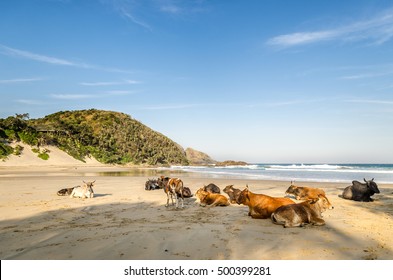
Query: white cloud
point(125, 82)
point(170, 106)
point(170, 8)
point(20, 80)
point(370, 101)
point(29, 102)
point(38, 57)
point(54, 60)
point(378, 30)
point(72, 96)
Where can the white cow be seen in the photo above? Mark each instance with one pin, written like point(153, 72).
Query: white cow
point(85, 191)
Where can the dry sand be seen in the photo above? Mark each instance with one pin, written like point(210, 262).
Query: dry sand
point(123, 221)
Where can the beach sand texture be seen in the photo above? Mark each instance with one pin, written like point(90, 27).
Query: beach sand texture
point(123, 221)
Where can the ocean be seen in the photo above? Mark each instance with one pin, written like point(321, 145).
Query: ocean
point(343, 173)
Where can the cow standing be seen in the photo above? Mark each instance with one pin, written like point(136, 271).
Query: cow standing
point(174, 188)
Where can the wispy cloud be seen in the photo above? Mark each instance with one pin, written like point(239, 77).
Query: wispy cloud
point(119, 92)
point(106, 94)
point(41, 58)
point(5, 50)
point(170, 8)
point(370, 101)
point(72, 96)
point(29, 102)
point(170, 106)
point(20, 80)
point(125, 82)
point(123, 11)
point(126, 9)
point(378, 30)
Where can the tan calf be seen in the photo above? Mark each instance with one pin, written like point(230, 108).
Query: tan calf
point(303, 193)
point(211, 199)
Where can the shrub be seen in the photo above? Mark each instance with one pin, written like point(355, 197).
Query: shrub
point(18, 150)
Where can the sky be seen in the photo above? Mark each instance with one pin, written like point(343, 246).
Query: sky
point(268, 81)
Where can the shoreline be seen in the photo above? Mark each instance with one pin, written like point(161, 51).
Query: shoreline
point(123, 221)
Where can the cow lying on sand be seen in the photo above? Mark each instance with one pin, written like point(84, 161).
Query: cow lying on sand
point(85, 191)
point(211, 199)
point(212, 188)
point(64, 192)
point(300, 214)
point(233, 193)
point(261, 206)
point(151, 184)
point(174, 188)
point(361, 191)
point(303, 193)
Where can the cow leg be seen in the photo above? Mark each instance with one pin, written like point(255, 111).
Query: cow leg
point(167, 199)
point(317, 222)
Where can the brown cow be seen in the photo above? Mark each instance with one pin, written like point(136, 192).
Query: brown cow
point(304, 193)
point(211, 199)
point(261, 206)
point(307, 212)
point(232, 193)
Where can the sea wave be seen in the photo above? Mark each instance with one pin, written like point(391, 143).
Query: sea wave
point(301, 172)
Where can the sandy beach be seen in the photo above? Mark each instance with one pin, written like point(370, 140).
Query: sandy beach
point(123, 221)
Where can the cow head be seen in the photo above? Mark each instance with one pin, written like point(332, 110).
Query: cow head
point(243, 196)
point(89, 185)
point(324, 203)
point(201, 194)
point(291, 190)
point(228, 188)
point(372, 185)
point(162, 181)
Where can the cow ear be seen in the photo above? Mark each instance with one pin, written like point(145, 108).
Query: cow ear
point(247, 186)
point(83, 181)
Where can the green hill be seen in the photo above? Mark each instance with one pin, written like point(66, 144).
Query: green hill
point(110, 137)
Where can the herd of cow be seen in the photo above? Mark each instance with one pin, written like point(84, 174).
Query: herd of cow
point(281, 210)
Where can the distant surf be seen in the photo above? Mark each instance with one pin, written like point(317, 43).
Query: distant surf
point(383, 173)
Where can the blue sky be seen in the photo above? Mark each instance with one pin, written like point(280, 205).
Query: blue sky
point(256, 80)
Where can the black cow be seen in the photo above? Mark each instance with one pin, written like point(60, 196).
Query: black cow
point(361, 191)
point(212, 188)
point(151, 185)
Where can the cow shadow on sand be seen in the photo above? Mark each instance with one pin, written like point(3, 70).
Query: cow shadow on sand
point(130, 230)
point(382, 203)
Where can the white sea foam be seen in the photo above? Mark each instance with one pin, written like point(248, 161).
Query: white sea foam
point(300, 172)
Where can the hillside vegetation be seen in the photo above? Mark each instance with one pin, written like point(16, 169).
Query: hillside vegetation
point(110, 137)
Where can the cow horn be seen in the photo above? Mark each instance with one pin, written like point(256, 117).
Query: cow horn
point(372, 179)
point(365, 180)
